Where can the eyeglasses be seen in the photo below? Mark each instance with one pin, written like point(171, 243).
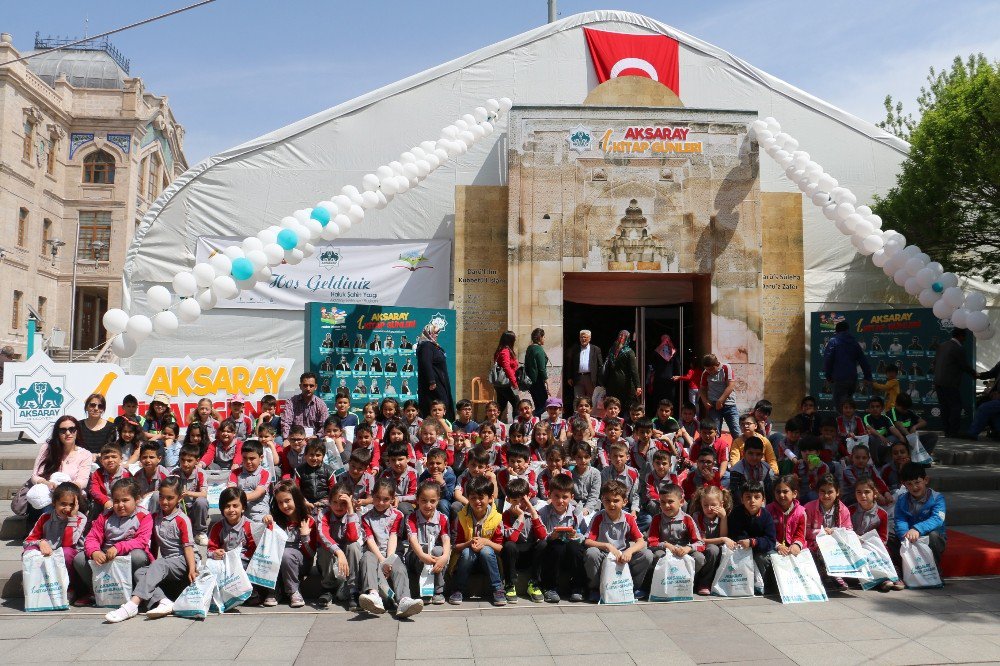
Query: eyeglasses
point(296, 439)
point(71, 430)
point(95, 405)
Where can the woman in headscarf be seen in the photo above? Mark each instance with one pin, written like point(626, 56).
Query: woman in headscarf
point(621, 371)
point(664, 368)
point(433, 382)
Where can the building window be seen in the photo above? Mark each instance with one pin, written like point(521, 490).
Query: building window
point(50, 159)
point(29, 139)
point(143, 168)
point(154, 176)
point(95, 227)
point(99, 168)
point(22, 227)
point(15, 315)
point(46, 232)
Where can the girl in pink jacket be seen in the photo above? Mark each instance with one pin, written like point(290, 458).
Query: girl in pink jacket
point(789, 516)
point(824, 514)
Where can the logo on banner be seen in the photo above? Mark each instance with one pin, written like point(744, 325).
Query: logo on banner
point(653, 57)
point(37, 396)
point(413, 260)
point(438, 321)
point(580, 139)
point(329, 257)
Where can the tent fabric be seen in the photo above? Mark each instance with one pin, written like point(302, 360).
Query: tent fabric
point(244, 189)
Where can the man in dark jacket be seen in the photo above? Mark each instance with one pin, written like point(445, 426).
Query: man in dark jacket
point(842, 357)
point(583, 368)
point(949, 366)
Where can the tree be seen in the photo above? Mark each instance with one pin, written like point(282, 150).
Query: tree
point(947, 195)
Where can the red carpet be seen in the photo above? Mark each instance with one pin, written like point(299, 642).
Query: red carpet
point(970, 556)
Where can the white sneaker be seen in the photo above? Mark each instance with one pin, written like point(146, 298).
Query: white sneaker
point(120, 614)
point(408, 607)
point(201, 539)
point(163, 609)
point(371, 602)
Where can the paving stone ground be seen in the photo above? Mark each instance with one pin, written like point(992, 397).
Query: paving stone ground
point(957, 624)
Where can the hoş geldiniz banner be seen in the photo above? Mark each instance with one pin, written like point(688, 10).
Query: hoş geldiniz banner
point(368, 272)
point(370, 351)
point(37, 391)
point(903, 339)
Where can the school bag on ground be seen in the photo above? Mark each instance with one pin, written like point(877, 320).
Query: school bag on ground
point(266, 561)
point(879, 563)
point(919, 569)
point(196, 599)
point(798, 579)
point(673, 579)
point(45, 582)
point(736, 572)
point(112, 582)
point(616, 583)
point(232, 583)
point(843, 554)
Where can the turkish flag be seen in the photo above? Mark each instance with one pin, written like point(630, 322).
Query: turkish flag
point(616, 54)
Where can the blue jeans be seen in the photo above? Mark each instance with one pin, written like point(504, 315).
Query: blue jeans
point(467, 559)
point(987, 414)
point(731, 415)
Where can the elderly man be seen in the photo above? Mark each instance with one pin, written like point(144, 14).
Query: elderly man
point(583, 366)
point(305, 409)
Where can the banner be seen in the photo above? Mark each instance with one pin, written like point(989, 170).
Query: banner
point(370, 272)
point(38, 391)
point(653, 56)
point(904, 339)
point(369, 352)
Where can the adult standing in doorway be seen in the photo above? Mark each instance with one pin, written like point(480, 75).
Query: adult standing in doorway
point(506, 358)
point(305, 409)
point(621, 372)
point(536, 363)
point(949, 366)
point(583, 367)
point(841, 359)
point(433, 381)
point(95, 430)
point(665, 368)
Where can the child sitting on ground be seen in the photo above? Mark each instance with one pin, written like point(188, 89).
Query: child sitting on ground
point(562, 548)
point(919, 513)
point(619, 470)
point(586, 479)
point(437, 470)
point(703, 475)
point(288, 511)
point(788, 515)
point(521, 529)
point(478, 540)
point(253, 479)
point(868, 516)
point(109, 471)
point(710, 508)
point(517, 468)
point(900, 453)
point(358, 479)
point(478, 466)
point(822, 515)
point(314, 478)
point(382, 526)
point(429, 537)
point(60, 532)
point(751, 468)
point(233, 532)
point(339, 559)
point(750, 526)
point(810, 467)
point(555, 461)
point(748, 423)
point(675, 532)
point(857, 467)
point(616, 533)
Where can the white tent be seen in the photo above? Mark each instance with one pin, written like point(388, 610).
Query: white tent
point(247, 188)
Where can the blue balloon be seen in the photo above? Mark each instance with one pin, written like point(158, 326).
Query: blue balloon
point(937, 287)
point(321, 215)
point(242, 269)
point(288, 239)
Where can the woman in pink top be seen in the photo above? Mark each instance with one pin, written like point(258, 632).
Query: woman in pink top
point(61, 454)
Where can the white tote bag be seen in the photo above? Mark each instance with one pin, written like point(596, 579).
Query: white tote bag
point(616, 583)
point(879, 562)
point(673, 579)
point(855, 441)
point(196, 599)
point(45, 581)
point(798, 579)
point(736, 573)
point(266, 561)
point(918, 453)
point(843, 554)
point(426, 581)
point(232, 583)
point(112, 582)
point(919, 569)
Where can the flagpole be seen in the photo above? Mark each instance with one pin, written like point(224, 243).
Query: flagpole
point(552, 11)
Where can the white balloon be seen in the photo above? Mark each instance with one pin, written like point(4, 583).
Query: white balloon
point(480, 114)
point(977, 321)
point(158, 297)
point(864, 210)
point(313, 228)
point(293, 256)
point(303, 233)
point(274, 253)
point(782, 139)
point(330, 231)
point(263, 275)
point(349, 191)
point(772, 124)
point(938, 268)
point(879, 257)
point(266, 237)
point(402, 184)
point(820, 198)
point(251, 243)
point(871, 244)
point(864, 228)
point(432, 161)
point(204, 273)
point(124, 346)
point(388, 186)
point(469, 119)
point(428, 146)
point(912, 286)
point(974, 300)
point(830, 210)
point(477, 131)
point(911, 251)
point(986, 334)
point(942, 310)
point(356, 214)
point(184, 283)
point(369, 199)
point(441, 154)
point(913, 265)
point(901, 277)
point(343, 202)
point(188, 310)
point(165, 323)
point(233, 252)
point(948, 280)
point(958, 318)
point(225, 287)
point(758, 126)
point(450, 132)
point(384, 172)
point(461, 125)
point(257, 258)
point(343, 222)
point(927, 276)
point(852, 221)
point(827, 182)
point(928, 297)
point(844, 210)
point(207, 299)
point(410, 170)
point(492, 105)
point(850, 198)
point(467, 137)
point(248, 284)
point(115, 320)
point(923, 257)
point(842, 227)
point(453, 148)
point(875, 220)
point(383, 201)
point(139, 327)
point(505, 104)
point(221, 264)
point(308, 249)
point(292, 221)
point(370, 182)
point(791, 144)
point(810, 190)
point(954, 297)
point(424, 167)
point(489, 128)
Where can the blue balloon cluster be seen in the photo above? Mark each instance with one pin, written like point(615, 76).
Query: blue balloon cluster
point(242, 269)
point(288, 239)
point(321, 215)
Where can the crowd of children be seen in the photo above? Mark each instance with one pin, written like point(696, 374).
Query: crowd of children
point(390, 506)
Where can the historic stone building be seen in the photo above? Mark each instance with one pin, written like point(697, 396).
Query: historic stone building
point(84, 151)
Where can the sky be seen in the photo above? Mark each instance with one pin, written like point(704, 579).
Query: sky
point(236, 69)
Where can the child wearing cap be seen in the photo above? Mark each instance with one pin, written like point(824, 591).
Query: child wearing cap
point(244, 424)
point(552, 416)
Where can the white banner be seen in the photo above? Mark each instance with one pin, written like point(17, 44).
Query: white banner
point(366, 272)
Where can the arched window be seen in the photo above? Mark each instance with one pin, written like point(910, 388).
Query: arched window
point(99, 168)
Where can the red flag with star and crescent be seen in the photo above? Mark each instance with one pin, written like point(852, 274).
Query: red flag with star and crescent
point(652, 56)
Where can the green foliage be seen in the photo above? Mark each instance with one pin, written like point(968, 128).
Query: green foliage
point(947, 196)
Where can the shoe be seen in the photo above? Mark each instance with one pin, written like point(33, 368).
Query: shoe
point(122, 613)
point(270, 601)
point(640, 594)
point(841, 585)
point(253, 600)
point(704, 592)
point(325, 599)
point(163, 609)
point(551, 597)
point(353, 606)
point(899, 586)
point(534, 593)
point(408, 607)
point(437, 599)
point(499, 597)
point(758, 591)
point(296, 600)
point(201, 539)
point(510, 593)
point(576, 597)
point(594, 597)
point(885, 586)
point(84, 600)
point(371, 603)
point(455, 599)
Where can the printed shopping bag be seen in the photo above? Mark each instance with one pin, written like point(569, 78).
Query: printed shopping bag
point(45, 581)
point(263, 567)
point(736, 572)
point(856, 440)
point(196, 599)
point(214, 490)
point(426, 581)
point(919, 569)
point(879, 563)
point(798, 579)
point(112, 582)
point(842, 554)
point(673, 579)
point(232, 583)
point(918, 453)
point(616, 583)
